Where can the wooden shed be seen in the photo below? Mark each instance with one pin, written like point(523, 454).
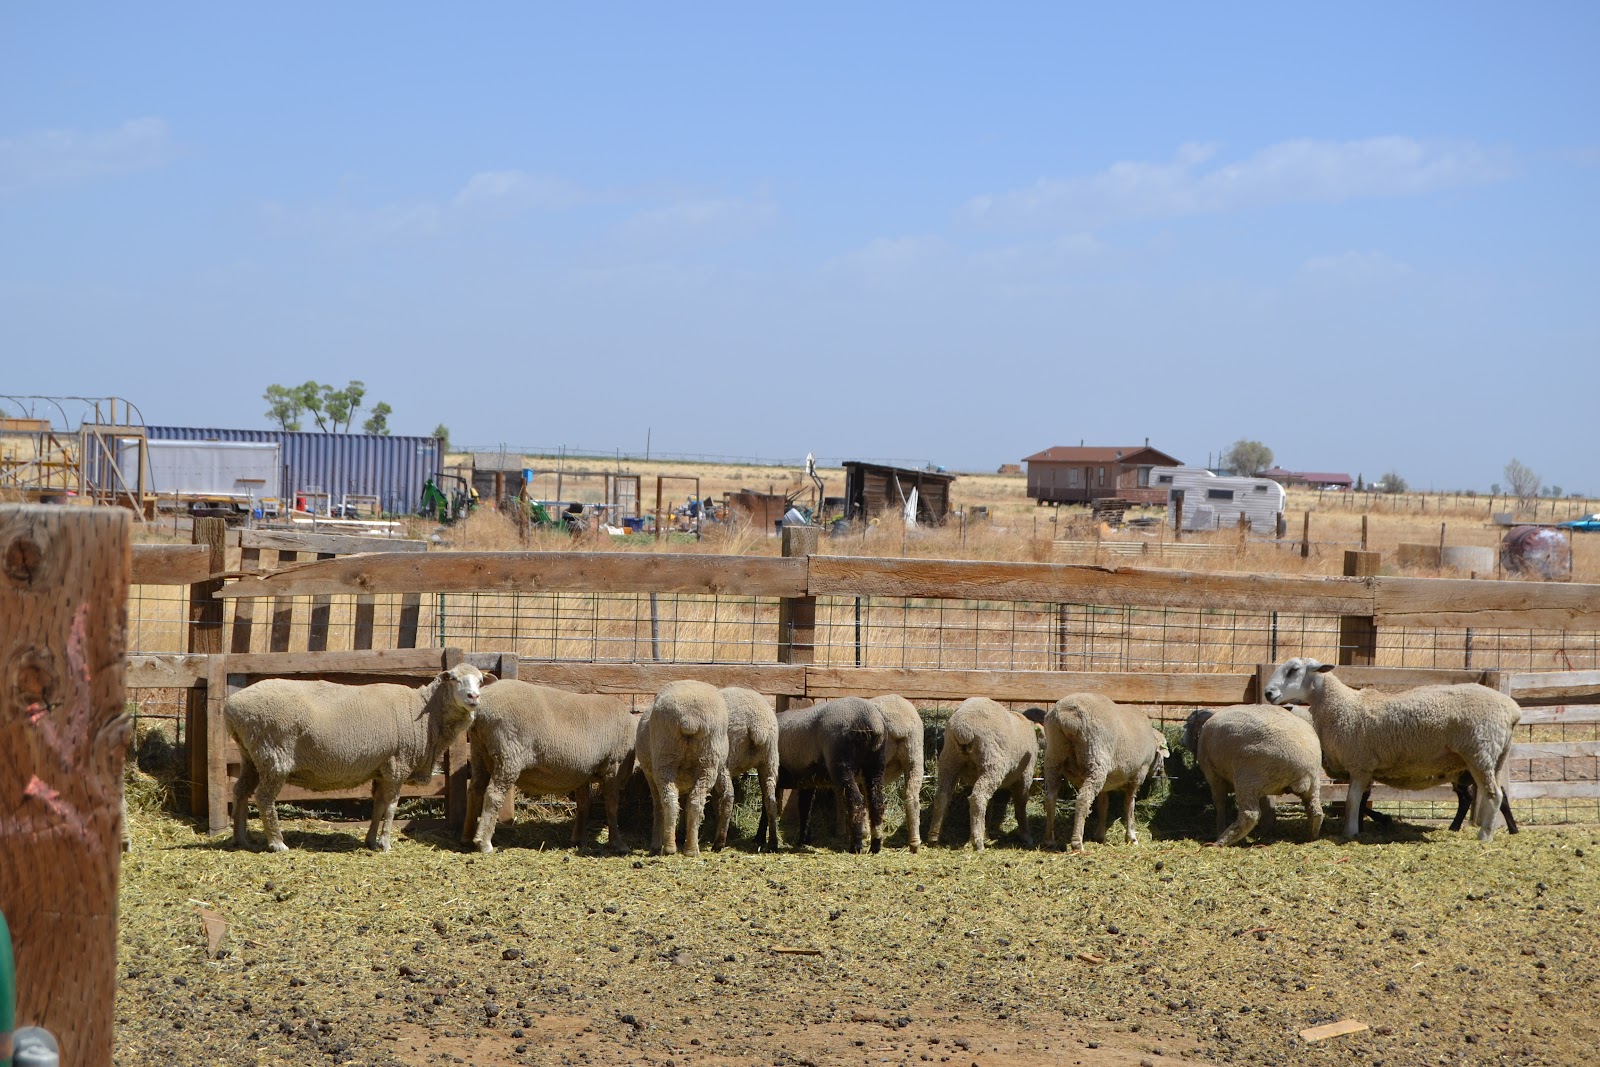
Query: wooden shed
point(872, 489)
point(1082, 475)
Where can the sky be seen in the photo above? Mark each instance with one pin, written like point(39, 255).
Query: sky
point(1364, 234)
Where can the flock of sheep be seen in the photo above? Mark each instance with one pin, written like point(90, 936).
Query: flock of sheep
point(695, 739)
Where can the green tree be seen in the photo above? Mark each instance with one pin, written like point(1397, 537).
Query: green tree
point(378, 421)
point(284, 406)
point(1393, 482)
point(1247, 457)
point(341, 404)
point(442, 432)
point(1361, 486)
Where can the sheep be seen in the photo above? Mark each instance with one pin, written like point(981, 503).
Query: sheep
point(752, 743)
point(683, 748)
point(543, 740)
point(1409, 740)
point(1466, 797)
point(903, 759)
point(326, 736)
point(832, 742)
point(1099, 746)
point(1260, 751)
point(993, 748)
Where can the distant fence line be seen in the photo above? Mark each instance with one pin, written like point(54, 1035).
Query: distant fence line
point(581, 452)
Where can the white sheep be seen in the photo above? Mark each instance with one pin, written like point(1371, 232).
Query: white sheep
point(1410, 740)
point(1258, 751)
point(1099, 746)
point(542, 740)
point(903, 757)
point(752, 744)
point(993, 748)
point(326, 736)
point(683, 748)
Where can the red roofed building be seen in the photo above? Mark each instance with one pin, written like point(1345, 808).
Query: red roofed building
point(1080, 475)
point(1308, 479)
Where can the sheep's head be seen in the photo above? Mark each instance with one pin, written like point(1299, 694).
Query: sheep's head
point(462, 688)
point(1191, 728)
point(1295, 680)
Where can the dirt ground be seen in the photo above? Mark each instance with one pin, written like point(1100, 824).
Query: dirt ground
point(1169, 952)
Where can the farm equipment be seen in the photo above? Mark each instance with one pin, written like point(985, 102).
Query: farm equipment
point(448, 509)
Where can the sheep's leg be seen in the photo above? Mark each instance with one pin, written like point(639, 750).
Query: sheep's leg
point(1249, 800)
point(941, 803)
point(1087, 792)
point(1359, 784)
point(875, 811)
point(1489, 795)
point(695, 810)
point(769, 811)
point(1102, 805)
point(580, 818)
point(724, 809)
point(978, 808)
point(385, 799)
point(248, 777)
point(1465, 799)
point(1129, 827)
point(1219, 800)
point(667, 813)
point(267, 790)
point(1019, 801)
point(849, 791)
point(807, 796)
point(477, 778)
point(1052, 792)
point(613, 795)
point(1311, 799)
point(494, 794)
point(913, 809)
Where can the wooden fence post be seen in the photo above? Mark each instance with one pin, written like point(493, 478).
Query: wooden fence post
point(1358, 634)
point(1305, 537)
point(63, 735)
point(205, 636)
point(797, 616)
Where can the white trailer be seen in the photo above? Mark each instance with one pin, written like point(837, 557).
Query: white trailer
point(213, 472)
point(1215, 502)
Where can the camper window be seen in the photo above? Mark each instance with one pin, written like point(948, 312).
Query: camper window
point(1163, 479)
point(1261, 489)
point(1219, 494)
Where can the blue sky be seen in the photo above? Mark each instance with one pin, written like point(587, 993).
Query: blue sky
point(1365, 234)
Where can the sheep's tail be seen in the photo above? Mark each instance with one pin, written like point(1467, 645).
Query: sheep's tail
point(962, 733)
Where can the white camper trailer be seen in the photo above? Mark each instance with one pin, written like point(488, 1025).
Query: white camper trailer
point(1215, 502)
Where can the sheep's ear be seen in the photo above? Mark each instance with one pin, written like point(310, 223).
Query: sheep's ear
point(1324, 668)
point(1034, 715)
point(489, 676)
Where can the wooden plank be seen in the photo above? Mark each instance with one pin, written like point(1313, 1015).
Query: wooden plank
point(1561, 713)
point(797, 616)
point(637, 678)
point(1554, 685)
point(334, 544)
point(166, 671)
point(215, 730)
point(368, 661)
point(1063, 583)
point(244, 610)
point(283, 611)
point(433, 787)
point(1456, 603)
point(205, 636)
point(1555, 750)
point(410, 620)
point(321, 612)
point(63, 735)
point(366, 619)
point(1555, 790)
point(534, 572)
point(171, 564)
point(824, 683)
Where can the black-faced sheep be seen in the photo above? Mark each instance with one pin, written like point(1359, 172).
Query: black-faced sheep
point(683, 749)
point(830, 743)
point(1099, 746)
point(993, 748)
point(1410, 740)
point(752, 745)
point(543, 741)
point(325, 736)
point(1258, 751)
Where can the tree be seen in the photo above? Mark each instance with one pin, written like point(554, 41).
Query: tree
point(284, 406)
point(1521, 481)
point(1247, 457)
point(1361, 486)
point(442, 432)
point(1494, 489)
point(1393, 482)
point(378, 421)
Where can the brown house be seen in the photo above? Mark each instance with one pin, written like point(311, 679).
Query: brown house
point(1068, 475)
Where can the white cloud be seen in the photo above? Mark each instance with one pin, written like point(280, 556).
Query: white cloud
point(1355, 268)
point(1298, 171)
point(72, 157)
point(518, 190)
point(716, 220)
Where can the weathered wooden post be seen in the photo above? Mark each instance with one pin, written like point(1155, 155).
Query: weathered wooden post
point(1358, 634)
point(1305, 537)
point(206, 614)
point(797, 616)
point(64, 576)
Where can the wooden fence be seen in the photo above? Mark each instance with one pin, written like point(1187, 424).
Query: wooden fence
point(781, 659)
